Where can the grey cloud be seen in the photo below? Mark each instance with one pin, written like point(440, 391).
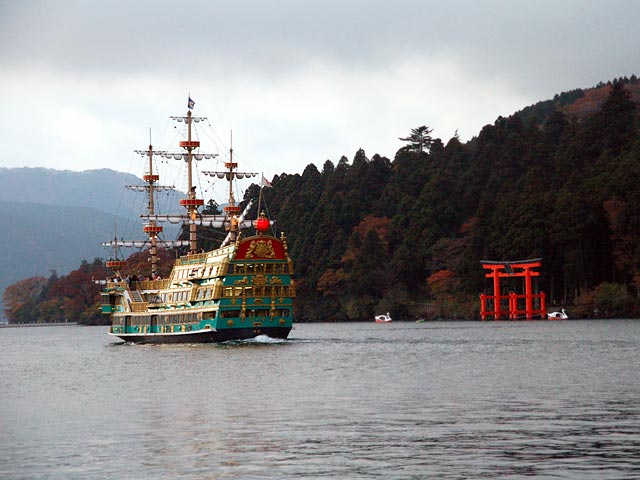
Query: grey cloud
point(523, 39)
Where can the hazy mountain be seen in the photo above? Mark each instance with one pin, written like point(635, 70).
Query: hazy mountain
point(53, 219)
point(39, 238)
point(101, 189)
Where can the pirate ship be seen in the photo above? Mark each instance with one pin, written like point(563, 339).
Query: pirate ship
point(240, 290)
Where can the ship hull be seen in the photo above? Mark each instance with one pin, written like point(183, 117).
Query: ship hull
point(204, 336)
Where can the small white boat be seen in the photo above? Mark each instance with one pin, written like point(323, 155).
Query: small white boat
point(561, 315)
point(383, 318)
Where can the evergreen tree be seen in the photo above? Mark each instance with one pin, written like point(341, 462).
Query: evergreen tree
point(419, 140)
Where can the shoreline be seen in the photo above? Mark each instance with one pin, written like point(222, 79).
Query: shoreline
point(21, 325)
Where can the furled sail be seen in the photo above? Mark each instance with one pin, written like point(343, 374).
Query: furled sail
point(144, 188)
point(230, 175)
point(215, 221)
point(184, 119)
point(183, 156)
point(177, 218)
point(146, 243)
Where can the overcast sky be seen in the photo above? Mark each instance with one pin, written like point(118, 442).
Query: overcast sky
point(298, 82)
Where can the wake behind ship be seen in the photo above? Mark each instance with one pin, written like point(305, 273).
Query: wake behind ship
point(240, 290)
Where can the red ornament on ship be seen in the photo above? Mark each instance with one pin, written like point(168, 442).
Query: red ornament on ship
point(262, 224)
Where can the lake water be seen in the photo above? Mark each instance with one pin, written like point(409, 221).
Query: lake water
point(446, 400)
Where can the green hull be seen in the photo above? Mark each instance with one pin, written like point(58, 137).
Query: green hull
point(206, 335)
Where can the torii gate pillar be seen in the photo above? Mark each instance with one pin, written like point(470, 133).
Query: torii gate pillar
point(521, 268)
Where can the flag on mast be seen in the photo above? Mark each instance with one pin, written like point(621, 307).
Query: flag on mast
point(265, 183)
point(191, 104)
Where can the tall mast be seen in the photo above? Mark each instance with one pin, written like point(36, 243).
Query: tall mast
point(232, 208)
point(152, 229)
point(191, 203)
point(232, 211)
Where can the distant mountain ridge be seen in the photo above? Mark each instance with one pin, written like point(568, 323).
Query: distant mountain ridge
point(40, 238)
point(54, 219)
point(100, 189)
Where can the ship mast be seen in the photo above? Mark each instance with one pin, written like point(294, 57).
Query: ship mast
point(232, 211)
point(152, 229)
point(233, 218)
point(191, 203)
point(115, 264)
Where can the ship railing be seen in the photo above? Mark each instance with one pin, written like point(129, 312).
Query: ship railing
point(189, 259)
point(116, 284)
point(151, 284)
point(138, 306)
point(139, 284)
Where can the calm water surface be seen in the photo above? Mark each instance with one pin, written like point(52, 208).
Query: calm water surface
point(447, 400)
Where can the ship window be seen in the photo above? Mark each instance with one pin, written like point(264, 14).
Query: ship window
point(239, 268)
point(250, 268)
point(231, 313)
point(260, 268)
point(228, 291)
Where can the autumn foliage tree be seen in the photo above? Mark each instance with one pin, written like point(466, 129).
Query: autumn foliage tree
point(74, 297)
point(20, 298)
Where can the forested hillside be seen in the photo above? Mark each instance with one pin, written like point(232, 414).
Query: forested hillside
point(408, 235)
point(557, 180)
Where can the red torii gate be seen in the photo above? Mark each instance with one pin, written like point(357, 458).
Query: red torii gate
point(519, 268)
